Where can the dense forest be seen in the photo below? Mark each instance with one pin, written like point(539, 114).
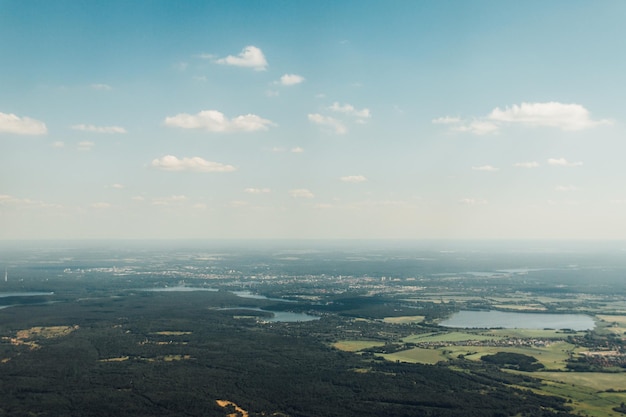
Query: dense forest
point(178, 354)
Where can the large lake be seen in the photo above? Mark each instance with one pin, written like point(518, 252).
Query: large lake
point(498, 319)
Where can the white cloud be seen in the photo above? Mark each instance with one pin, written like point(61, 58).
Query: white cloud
point(551, 114)
point(195, 164)
point(215, 121)
point(238, 204)
point(98, 129)
point(138, 198)
point(117, 186)
point(272, 93)
point(291, 79)
point(58, 144)
point(301, 193)
point(487, 168)
point(350, 110)
point(11, 201)
point(10, 123)
point(446, 120)
point(249, 57)
point(257, 190)
point(353, 178)
point(565, 188)
point(335, 125)
point(101, 87)
point(473, 201)
point(181, 66)
point(167, 201)
point(477, 127)
point(297, 149)
point(205, 56)
point(526, 164)
point(562, 162)
point(568, 117)
point(101, 205)
point(85, 145)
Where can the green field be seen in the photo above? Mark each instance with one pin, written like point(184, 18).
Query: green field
point(447, 337)
point(553, 357)
point(417, 355)
point(587, 390)
point(356, 345)
point(532, 333)
point(404, 319)
point(613, 324)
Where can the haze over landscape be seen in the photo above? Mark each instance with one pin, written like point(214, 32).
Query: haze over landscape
point(352, 119)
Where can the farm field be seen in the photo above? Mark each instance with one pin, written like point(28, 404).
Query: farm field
point(592, 393)
point(356, 345)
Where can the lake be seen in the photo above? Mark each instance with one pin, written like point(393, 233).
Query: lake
point(278, 316)
point(499, 319)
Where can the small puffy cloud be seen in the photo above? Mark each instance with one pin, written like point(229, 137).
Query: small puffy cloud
point(568, 117)
point(473, 201)
point(181, 66)
point(257, 190)
point(101, 205)
point(487, 168)
point(446, 120)
point(562, 162)
point(98, 129)
point(238, 204)
point(58, 144)
point(101, 87)
point(335, 125)
point(353, 178)
point(205, 56)
point(297, 149)
point(301, 193)
point(85, 145)
point(272, 93)
point(249, 57)
point(117, 186)
point(168, 201)
point(215, 121)
point(477, 127)
point(350, 110)
point(291, 79)
point(195, 164)
point(565, 188)
point(551, 114)
point(10, 123)
point(138, 198)
point(526, 164)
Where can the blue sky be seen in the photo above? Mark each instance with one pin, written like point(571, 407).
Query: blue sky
point(283, 119)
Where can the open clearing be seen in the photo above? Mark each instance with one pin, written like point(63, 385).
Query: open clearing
point(404, 319)
point(447, 337)
point(586, 389)
point(417, 355)
point(614, 324)
point(356, 345)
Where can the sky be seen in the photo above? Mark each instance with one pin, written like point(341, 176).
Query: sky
point(312, 120)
